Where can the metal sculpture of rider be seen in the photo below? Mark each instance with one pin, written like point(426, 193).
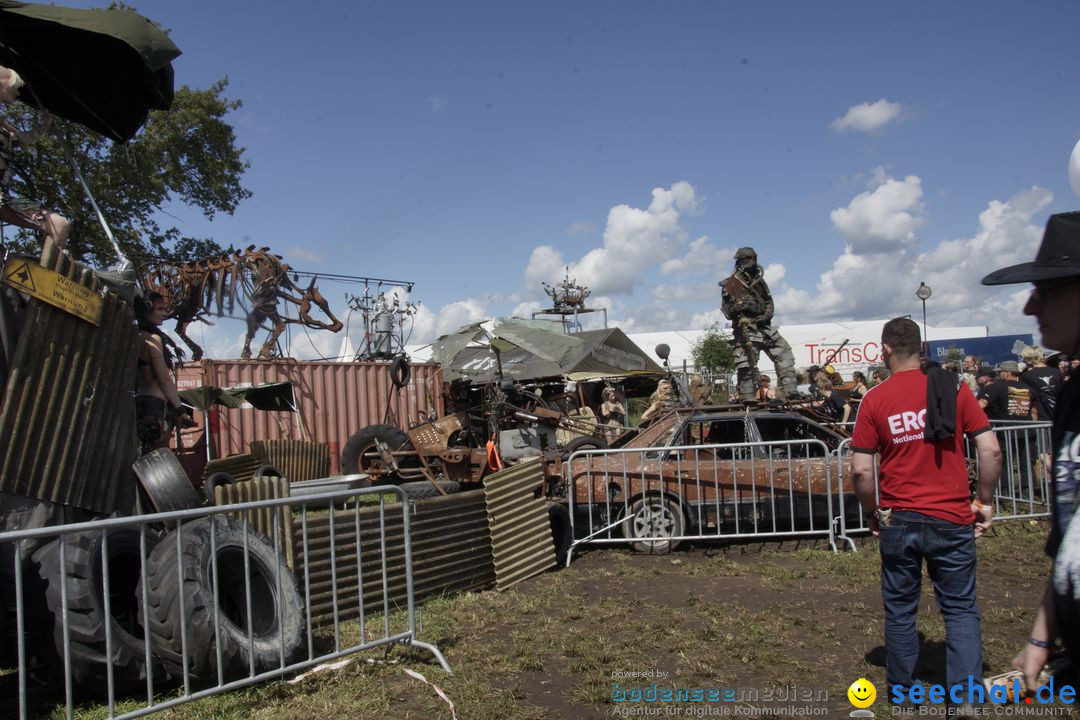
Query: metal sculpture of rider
point(748, 304)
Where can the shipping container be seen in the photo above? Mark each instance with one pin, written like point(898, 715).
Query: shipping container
point(333, 401)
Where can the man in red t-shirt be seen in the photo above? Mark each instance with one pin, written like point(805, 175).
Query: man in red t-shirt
point(924, 509)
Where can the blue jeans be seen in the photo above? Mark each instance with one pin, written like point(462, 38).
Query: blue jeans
point(949, 551)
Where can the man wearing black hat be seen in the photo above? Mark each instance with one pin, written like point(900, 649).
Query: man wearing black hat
point(1055, 303)
point(748, 304)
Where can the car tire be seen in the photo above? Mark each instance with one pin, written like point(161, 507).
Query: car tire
point(655, 516)
point(268, 471)
point(275, 611)
point(352, 457)
point(423, 489)
point(213, 482)
point(562, 534)
point(584, 442)
point(86, 615)
point(400, 372)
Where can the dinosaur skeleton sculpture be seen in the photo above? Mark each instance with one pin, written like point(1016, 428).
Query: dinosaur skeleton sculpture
point(256, 279)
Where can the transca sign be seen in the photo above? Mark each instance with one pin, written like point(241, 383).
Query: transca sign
point(52, 287)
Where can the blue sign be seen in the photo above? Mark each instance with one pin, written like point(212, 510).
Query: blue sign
point(990, 350)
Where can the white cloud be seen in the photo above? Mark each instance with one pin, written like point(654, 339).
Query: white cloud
point(438, 103)
point(863, 284)
point(867, 117)
point(884, 219)
point(700, 258)
point(634, 240)
point(584, 227)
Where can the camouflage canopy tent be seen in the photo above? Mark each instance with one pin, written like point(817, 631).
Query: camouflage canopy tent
point(533, 350)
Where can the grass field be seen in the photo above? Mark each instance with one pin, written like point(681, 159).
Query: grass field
point(752, 617)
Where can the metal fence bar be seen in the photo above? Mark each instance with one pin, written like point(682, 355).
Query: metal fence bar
point(773, 492)
point(222, 580)
point(1020, 492)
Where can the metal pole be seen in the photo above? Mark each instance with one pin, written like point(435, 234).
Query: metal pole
point(924, 338)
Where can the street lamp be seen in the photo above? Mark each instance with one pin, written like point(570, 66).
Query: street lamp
point(923, 293)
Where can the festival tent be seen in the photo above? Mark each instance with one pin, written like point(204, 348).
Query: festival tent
point(530, 350)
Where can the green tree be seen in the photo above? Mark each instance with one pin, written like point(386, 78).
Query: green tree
point(187, 154)
point(713, 355)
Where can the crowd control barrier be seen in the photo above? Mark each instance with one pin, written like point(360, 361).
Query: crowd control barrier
point(150, 612)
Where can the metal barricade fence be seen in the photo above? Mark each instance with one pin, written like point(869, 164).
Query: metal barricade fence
point(657, 497)
point(114, 609)
point(1023, 490)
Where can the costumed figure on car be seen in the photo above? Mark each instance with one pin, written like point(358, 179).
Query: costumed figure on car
point(748, 304)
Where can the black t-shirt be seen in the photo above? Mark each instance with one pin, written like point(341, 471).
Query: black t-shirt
point(1064, 542)
point(1046, 384)
point(834, 405)
point(1007, 400)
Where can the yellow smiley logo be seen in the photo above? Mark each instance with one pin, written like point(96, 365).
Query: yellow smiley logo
point(862, 693)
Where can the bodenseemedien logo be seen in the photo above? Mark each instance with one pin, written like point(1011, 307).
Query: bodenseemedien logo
point(862, 694)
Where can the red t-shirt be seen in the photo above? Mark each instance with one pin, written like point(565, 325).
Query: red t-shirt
point(926, 477)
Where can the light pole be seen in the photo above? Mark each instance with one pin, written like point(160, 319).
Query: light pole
point(923, 293)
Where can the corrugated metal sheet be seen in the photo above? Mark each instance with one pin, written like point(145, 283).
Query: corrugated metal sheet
point(521, 540)
point(298, 459)
point(262, 488)
point(334, 401)
point(67, 419)
point(451, 551)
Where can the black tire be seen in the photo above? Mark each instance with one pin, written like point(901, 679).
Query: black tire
point(268, 471)
point(583, 442)
point(655, 517)
point(86, 612)
point(561, 532)
point(422, 489)
point(353, 458)
point(400, 372)
point(274, 610)
point(165, 481)
point(216, 480)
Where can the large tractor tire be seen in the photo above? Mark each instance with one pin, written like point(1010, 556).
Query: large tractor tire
point(86, 616)
point(277, 615)
point(355, 457)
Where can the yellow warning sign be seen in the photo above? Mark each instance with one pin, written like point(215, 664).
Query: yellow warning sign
point(52, 287)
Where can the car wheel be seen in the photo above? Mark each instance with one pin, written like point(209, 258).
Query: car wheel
point(655, 517)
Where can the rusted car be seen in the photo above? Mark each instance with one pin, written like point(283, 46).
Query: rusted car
point(708, 472)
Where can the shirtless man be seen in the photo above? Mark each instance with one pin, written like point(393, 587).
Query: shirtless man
point(13, 209)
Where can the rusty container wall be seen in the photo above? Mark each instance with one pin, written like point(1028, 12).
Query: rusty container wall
point(334, 401)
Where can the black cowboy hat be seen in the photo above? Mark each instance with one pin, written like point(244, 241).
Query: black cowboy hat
point(1058, 256)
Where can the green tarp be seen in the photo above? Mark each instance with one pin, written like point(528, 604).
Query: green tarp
point(530, 350)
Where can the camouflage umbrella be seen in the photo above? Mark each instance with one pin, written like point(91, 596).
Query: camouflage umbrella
point(104, 69)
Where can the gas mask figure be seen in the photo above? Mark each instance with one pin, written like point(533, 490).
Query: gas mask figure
point(748, 304)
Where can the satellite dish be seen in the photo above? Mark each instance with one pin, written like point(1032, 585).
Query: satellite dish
point(1074, 169)
point(663, 351)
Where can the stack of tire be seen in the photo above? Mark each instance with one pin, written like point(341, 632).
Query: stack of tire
point(255, 625)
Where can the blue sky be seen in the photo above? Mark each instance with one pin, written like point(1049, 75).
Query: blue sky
point(477, 148)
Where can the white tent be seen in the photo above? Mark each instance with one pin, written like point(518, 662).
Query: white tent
point(810, 344)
